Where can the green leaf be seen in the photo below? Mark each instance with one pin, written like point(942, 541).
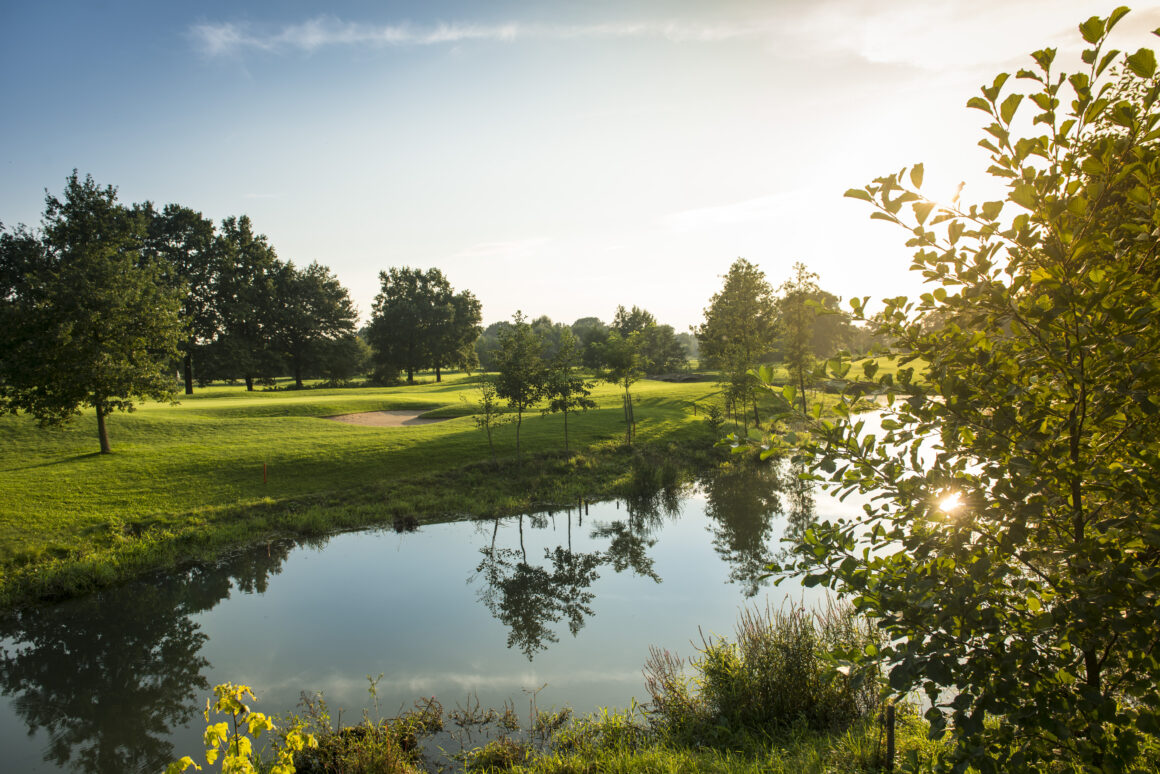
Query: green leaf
point(922, 210)
point(979, 104)
point(1142, 63)
point(916, 175)
point(1092, 29)
point(1009, 106)
point(991, 210)
point(859, 193)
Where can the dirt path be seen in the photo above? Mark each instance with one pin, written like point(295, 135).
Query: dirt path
point(384, 419)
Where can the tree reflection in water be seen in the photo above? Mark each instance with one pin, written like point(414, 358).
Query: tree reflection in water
point(529, 598)
point(742, 501)
point(108, 682)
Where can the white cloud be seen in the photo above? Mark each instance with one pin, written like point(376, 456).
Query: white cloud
point(761, 208)
point(514, 249)
point(933, 36)
point(218, 39)
point(953, 34)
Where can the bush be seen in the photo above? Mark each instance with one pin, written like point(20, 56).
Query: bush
point(783, 670)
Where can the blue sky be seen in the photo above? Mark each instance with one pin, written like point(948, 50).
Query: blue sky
point(559, 158)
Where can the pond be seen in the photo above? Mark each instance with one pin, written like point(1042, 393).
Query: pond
point(562, 604)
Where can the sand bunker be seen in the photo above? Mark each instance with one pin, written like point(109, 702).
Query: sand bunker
point(385, 419)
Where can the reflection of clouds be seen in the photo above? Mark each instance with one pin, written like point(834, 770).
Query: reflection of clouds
point(426, 684)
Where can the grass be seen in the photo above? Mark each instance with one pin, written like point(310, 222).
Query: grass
point(186, 480)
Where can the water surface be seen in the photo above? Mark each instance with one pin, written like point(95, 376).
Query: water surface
point(565, 603)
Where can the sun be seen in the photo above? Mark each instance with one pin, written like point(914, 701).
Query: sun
point(951, 502)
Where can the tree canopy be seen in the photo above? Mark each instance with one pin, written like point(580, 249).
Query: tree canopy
point(87, 320)
point(418, 322)
point(1011, 552)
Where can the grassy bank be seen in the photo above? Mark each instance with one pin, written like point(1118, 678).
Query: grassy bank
point(226, 467)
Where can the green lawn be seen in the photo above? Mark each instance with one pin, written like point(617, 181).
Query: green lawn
point(199, 464)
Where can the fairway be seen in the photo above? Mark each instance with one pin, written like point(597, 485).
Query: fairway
point(223, 453)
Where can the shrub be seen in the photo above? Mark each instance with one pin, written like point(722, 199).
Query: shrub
point(783, 669)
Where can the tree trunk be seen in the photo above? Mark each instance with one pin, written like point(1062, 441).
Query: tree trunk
point(249, 384)
point(410, 376)
point(565, 429)
point(102, 433)
point(297, 375)
point(627, 420)
point(519, 422)
point(188, 370)
point(438, 374)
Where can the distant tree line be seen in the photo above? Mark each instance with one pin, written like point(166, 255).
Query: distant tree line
point(659, 348)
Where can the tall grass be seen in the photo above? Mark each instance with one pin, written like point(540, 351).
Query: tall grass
point(780, 671)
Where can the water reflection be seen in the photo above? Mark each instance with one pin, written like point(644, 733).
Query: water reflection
point(108, 682)
point(103, 683)
point(528, 598)
point(742, 502)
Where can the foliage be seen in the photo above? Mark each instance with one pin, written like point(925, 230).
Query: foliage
point(739, 329)
point(1012, 549)
point(623, 366)
point(86, 319)
point(591, 333)
point(783, 669)
point(233, 741)
point(487, 345)
point(521, 369)
point(418, 321)
point(313, 312)
point(489, 414)
point(245, 300)
point(797, 314)
point(565, 389)
point(657, 346)
point(183, 242)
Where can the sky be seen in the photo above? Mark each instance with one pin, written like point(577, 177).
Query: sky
point(559, 158)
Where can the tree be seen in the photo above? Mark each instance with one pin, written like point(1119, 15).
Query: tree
point(739, 329)
point(521, 369)
point(88, 320)
point(400, 320)
point(623, 367)
point(591, 333)
point(246, 302)
point(636, 320)
point(1012, 548)
point(565, 389)
point(661, 351)
point(490, 414)
point(183, 240)
point(796, 317)
point(487, 345)
point(313, 311)
point(419, 322)
point(455, 331)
